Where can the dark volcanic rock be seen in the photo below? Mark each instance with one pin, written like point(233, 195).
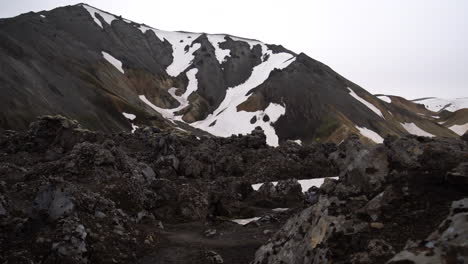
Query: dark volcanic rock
point(447, 244)
point(465, 137)
point(360, 217)
point(69, 195)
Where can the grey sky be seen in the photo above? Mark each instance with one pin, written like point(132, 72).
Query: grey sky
point(412, 48)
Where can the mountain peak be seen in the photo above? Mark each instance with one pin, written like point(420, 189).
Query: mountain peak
point(216, 83)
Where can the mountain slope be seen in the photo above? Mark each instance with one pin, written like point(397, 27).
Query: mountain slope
point(93, 66)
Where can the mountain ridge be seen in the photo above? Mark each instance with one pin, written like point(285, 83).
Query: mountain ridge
point(221, 84)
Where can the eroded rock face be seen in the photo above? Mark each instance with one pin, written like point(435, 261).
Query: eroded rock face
point(381, 191)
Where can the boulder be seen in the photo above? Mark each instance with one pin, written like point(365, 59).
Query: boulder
point(54, 202)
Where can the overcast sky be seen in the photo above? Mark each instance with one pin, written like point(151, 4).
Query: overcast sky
point(412, 48)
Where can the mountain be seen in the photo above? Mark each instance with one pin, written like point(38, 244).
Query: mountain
point(449, 113)
point(112, 74)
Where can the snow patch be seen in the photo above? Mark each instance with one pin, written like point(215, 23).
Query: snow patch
point(280, 209)
point(245, 221)
point(439, 104)
point(385, 98)
point(370, 134)
point(42, 16)
point(305, 184)
point(459, 129)
point(366, 103)
point(129, 116)
point(221, 54)
point(182, 48)
point(298, 141)
point(226, 120)
point(134, 128)
point(115, 62)
point(415, 130)
point(183, 99)
point(108, 18)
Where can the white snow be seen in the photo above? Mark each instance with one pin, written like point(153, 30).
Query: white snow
point(280, 209)
point(298, 141)
point(415, 130)
point(305, 184)
point(108, 18)
point(134, 128)
point(129, 116)
point(182, 59)
point(366, 103)
point(459, 129)
point(221, 54)
point(42, 16)
point(438, 104)
point(183, 99)
point(370, 134)
point(385, 98)
point(115, 62)
point(245, 221)
point(226, 120)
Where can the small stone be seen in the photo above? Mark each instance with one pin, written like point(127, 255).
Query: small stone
point(210, 232)
point(99, 214)
point(214, 257)
point(118, 232)
point(160, 225)
point(377, 225)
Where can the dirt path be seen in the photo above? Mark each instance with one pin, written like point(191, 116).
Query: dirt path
point(187, 243)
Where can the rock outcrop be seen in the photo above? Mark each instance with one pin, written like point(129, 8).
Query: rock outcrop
point(70, 195)
point(389, 198)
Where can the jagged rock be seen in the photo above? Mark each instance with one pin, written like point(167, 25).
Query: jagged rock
point(289, 190)
point(54, 202)
point(448, 244)
point(328, 186)
point(364, 167)
point(70, 243)
point(425, 154)
point(375, 206)
point(312, 195)
point(284, 192)
point(301, 238)
point(459, 175)
point(465, 137)
point(213, 257)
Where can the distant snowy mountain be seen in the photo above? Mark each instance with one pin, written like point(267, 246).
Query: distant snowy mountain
point(438, 104)
point(113, 74)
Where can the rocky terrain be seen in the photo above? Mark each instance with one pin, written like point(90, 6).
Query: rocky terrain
point(70, 195)
point(123, 143)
